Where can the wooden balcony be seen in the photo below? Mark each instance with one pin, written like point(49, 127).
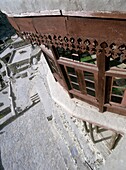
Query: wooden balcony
point(87, 54)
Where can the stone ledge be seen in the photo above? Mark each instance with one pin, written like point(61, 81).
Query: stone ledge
point(81, 109)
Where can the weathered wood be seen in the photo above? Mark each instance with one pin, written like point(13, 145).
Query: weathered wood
point(62, 76)
point(108, 89)
point(116, 109)
point(98, 28)
point(25, 24)
point(96, 85)
point(82, 85)
point(123, 103)
point(93, 34)
point(80, 66)
point(117, 73)
point(87, 98)
point(55, 58)
point(66, 80)
point(71, 87)
point(101, 60)
point(13, 23)
point(50, 25)
point(47, 51)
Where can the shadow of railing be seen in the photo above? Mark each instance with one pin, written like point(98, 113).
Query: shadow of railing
point(13, 118)
point(102, 139)
point(95, 131)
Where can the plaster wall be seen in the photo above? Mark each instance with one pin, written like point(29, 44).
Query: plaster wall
point(75, 107)
point(14, 7)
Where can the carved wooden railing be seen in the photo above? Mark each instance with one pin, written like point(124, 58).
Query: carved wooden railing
point(66, 42)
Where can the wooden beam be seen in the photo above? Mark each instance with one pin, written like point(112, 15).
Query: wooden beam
point(123, 103)
point(81, 66)
point(101, 60)
point(116, 73)
point(109, 83)
point(82, 85)
point(116, 109)
point(87, 98)
point(63, 76)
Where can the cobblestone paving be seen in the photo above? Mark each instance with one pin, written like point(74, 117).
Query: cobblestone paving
point(28, 144)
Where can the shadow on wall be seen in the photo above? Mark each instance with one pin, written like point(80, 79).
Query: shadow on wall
point(1, 166)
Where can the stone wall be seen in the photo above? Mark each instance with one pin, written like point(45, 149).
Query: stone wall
point(14, 7)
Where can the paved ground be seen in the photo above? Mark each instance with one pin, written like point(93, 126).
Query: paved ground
point(28, 143)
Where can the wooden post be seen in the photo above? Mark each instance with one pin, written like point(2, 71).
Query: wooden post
point(61, 69)
point(81, 81)
point(109, 83)
point(102, 62)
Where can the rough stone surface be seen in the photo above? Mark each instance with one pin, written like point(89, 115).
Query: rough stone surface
point(117, 160)
point(83, 110)
point(14, 7)
point(22, 90)
point(28, 143)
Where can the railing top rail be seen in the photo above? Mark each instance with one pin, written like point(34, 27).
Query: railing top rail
point(82, 66)
point(116, 73)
